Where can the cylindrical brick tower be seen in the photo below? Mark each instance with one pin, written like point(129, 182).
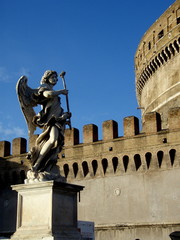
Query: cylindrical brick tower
point(157, 65)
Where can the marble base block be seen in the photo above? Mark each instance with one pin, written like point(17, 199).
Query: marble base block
point(47, 210)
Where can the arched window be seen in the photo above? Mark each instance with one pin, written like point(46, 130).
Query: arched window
point(172, 154)
point(125, 162)
point(85, 168)
point(115, 163)
point(104, 165)
point(137, 161)
point(75, 169)
point(66, 170)
point(94, 166)
point(148, 157)
point(160, 157)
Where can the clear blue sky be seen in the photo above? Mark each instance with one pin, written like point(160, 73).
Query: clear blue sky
point(94, 41)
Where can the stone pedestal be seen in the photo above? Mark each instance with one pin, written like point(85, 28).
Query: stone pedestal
point(47, 210)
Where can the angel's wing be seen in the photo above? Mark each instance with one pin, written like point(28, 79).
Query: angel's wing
point(27, 102)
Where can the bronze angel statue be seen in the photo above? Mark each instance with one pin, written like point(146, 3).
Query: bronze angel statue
point(52, 119)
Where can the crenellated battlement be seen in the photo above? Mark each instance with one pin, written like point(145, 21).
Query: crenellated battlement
point(151, 149)
point(109, 132)
point(136, 151)
point(90, 132)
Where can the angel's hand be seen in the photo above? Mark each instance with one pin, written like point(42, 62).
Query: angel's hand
point(64, 92)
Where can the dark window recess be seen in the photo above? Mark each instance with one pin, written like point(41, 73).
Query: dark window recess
point(178, 20)
point(137, 161)
point(160, 34)
point(148, 157)
point(104, 165)
point(172, 154)
point(75, 169)
point(85, 168)
point(66, 170)
point(160, 157)
point(125, 162)
point(149, 45)
point(94, 166)
point(115, 163)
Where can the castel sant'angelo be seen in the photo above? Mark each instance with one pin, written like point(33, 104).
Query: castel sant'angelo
point(132, 182)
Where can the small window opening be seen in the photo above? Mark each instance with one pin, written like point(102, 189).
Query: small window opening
point(178, 20)
point(104, 165)
point(66, 170)
point(178, 16)
point(125, 162)
point(157, 61)
point(160, 157)
point(149, 45)
point(85, 168)
point(168, 52)
point(160, 34)
point(94, 166)
point(115, 163)
point(176, 46)
point(137, 161)
point(75, 169)
point(148, 157)
point(172, 49)
point(160, 58)
point(172, 154)
point(164, 56)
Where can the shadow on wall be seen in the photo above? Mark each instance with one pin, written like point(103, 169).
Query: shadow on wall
point(8, 212)
point(175, 235)
point(11, 173)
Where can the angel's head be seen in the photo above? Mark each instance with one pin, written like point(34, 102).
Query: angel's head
point(48, 75)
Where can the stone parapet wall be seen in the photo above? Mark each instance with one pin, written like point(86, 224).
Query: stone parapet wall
point(152, 148)
point(131, 181)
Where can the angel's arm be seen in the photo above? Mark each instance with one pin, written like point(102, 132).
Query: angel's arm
point(52, 93)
